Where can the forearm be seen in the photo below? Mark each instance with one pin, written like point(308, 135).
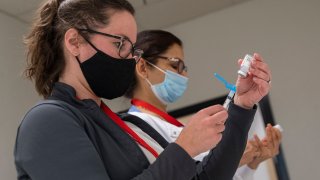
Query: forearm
point(173, 163)
point(229, 151)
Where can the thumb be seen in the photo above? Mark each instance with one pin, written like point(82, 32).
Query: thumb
point(240, 61)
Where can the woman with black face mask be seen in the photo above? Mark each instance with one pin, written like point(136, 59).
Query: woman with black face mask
point(80, 51)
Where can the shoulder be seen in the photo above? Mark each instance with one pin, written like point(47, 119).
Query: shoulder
point(49, 114)
point(47, 124)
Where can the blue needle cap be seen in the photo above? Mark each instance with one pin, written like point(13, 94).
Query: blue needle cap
point(229, 86)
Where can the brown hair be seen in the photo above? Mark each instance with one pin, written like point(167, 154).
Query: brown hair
point(45, 57)
point(153, 43)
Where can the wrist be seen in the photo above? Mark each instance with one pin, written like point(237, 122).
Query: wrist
point(187, 148)
point(238, 102)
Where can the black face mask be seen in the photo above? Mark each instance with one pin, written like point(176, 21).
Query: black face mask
point(108, 77)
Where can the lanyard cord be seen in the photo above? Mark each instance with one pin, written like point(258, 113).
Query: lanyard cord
point(127, 129)
point(164, 115)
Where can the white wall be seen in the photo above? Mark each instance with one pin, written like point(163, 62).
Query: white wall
point(287, 34)
point(16, 94)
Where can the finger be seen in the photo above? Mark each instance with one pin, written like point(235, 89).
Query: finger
point(264, 142)
point(258, 141)
point(260, 74)
point(278, 133)
point(220, 128)
point(254, 144)
point(264, 74)
point(269, 136)
point(261, 66)
point(276, 141)
point(218, 118)
point(259, 63)
point(261, 82)
point(257, 154)
point(258, 57)
point(211, 110)
point(239, 62)
point(264, 86)
point(260, 147)
point(218, 139)
point(250, 146)
point(276, 137)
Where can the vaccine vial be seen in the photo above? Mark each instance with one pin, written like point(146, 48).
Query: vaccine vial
point(245, 65)
point(278, 127)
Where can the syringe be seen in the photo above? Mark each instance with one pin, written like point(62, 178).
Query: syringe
point(229, 86)
point(228, 100)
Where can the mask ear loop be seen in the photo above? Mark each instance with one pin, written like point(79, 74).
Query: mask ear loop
point(146, 78)
point(94, 47)
point(148, 81)
point(156, 67)
point(78, 60)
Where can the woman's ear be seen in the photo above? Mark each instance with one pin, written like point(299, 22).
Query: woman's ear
point(141, 68)
point(71, 41)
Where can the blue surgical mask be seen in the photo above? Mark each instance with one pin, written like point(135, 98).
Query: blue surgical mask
point(172, 88)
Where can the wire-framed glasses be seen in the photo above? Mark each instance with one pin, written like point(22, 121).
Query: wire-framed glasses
point(177, 63)
point(124, 45)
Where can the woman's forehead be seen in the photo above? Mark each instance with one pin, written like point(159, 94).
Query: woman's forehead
point(174, 51)
point(122, 23)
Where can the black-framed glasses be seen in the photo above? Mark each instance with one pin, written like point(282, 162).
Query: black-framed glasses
point(124, 45)
point(177, 63)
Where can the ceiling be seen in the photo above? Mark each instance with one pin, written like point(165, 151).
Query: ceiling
point(150, 14)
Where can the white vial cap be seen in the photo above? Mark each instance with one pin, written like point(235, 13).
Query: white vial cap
point(242, 74)
point(278, 127)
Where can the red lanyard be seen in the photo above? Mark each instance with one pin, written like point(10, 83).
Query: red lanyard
point(127, 129)
point(149, 107)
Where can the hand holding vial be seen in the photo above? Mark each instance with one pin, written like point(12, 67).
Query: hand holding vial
point(255, 85)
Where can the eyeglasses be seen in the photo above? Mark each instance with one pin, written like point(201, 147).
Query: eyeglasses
point(124, 45)
point(177, 63)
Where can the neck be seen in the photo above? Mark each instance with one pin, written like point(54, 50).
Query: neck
point(155, 103)
point(72, 75)
point(82, 92)
point(148, 96)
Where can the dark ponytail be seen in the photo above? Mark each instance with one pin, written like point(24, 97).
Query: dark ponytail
point(41, 49)
point(45, 56)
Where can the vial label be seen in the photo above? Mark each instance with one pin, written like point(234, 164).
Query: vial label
point(245, 65)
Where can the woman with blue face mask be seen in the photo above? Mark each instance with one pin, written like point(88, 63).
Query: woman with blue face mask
point(160, 79)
